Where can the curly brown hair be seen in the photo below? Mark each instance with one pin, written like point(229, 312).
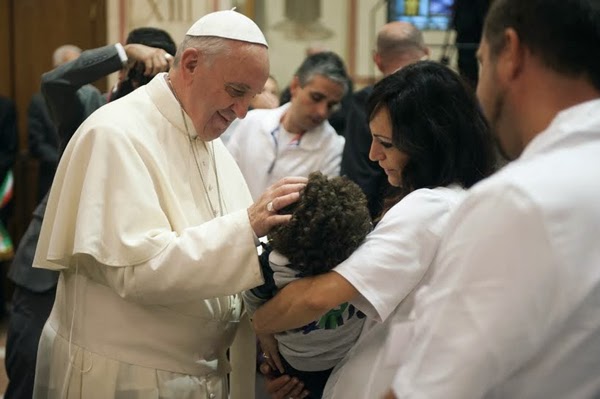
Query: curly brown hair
point(329, 221)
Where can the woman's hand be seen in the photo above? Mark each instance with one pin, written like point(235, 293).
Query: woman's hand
point(282, 387)
point(270, 353)
point(302, 301)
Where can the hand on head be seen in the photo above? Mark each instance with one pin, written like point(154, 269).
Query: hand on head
point(263, 213)
point(155, 60)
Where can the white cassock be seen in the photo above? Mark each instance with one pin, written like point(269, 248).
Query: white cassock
point(147, 304)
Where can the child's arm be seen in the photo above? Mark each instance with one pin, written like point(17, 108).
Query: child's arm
point(303, 301)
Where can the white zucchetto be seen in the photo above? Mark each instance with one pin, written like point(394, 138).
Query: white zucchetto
point(228, 24)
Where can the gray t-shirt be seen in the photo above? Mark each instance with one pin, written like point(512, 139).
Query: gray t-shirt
point(321, 344)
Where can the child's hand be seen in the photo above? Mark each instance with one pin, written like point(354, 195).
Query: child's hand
point(268, 344)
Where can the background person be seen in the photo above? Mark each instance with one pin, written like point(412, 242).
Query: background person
point(294, 139)
point(42, 137)
point(268, 97)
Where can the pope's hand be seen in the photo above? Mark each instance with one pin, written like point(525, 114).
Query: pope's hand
point(263, 213)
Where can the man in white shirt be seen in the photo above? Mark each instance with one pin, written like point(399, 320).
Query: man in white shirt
point(296, 138)
point(513, 305)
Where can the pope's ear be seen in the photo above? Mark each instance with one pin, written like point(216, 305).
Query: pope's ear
point(189, 60)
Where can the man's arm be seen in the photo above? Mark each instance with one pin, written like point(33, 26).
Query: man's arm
point(303, 301)
point(60, 86)
point(42, 136)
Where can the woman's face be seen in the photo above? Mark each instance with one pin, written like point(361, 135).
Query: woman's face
point(390, 158)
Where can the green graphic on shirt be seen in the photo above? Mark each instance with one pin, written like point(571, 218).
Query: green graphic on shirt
point(332, 319)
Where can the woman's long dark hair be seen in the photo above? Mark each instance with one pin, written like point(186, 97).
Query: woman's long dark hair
point(436, 121)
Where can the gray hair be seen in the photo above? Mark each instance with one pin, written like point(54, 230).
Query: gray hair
point(59, 55)
point(209, 46)
point(326, 64)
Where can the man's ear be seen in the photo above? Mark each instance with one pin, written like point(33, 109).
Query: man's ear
point(294, 86)
point(377, 60)
point(426, 55)
point(511, 58)
point(190, 59)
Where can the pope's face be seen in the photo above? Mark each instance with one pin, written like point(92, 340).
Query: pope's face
point(221, 88)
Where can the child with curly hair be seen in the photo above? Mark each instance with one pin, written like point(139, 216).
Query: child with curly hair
point(328, 223)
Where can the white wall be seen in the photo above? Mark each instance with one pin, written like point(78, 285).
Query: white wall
point(287, 54)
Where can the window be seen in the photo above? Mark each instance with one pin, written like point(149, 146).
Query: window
point(424, 14)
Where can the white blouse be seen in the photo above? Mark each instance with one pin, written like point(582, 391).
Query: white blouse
point(386, 269)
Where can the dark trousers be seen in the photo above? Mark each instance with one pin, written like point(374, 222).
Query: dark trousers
point(30, 310)
point(314, 381)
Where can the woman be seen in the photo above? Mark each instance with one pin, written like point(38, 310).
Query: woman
point(431, 139)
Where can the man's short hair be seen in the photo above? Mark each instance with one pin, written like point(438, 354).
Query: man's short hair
point(327, 64)
point(564, 34)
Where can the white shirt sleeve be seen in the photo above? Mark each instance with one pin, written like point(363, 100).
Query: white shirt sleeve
point(492, 298)
point(397, 253)
point(122, 53)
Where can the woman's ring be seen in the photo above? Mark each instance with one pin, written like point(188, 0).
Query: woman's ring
point(270, 207)
point(265, 355)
